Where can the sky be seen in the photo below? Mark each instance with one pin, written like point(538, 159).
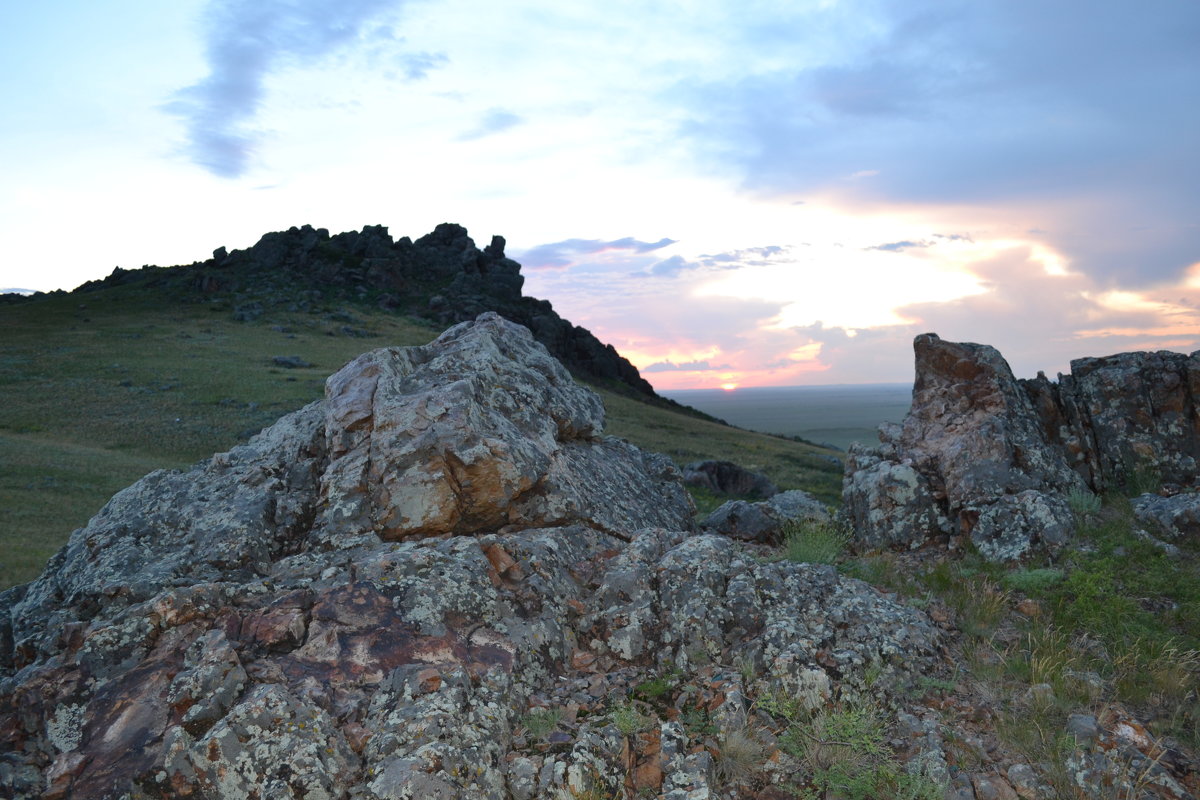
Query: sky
point(731, 192)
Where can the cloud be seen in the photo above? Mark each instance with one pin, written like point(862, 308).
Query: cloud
point(494, 120)
point(559, 255)
point(670, 267)
point(246, 40)
point(749, 256)
point(899, 247)
point(1022, 113)
point(685, 366)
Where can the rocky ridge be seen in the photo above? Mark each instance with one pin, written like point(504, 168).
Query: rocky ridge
point(442, 277)
point(381, 595)
point(997, 459)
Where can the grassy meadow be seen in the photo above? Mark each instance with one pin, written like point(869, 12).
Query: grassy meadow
point(98, 389)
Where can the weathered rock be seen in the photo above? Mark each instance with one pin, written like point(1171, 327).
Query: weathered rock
point(764, 521)
point(1122, 415)
point(725, 477)
point(365, 599)
point(1173, 518)
point(983, 454)
point(1126, 760)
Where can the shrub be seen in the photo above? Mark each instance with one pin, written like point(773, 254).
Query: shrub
point(1083, 502)
point(741, 755)
point(812, 542)
point(541, 721)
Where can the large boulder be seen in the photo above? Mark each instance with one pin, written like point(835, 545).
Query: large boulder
point(995, 458)
point(970, 457)
point(766, 521)
point(368, 599)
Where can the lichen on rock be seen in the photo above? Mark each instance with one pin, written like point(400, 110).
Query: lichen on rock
point(367, 599)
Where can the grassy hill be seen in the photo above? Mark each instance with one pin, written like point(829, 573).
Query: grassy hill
point(99, 388)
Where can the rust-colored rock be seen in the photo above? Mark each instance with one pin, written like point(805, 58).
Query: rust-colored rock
point(988, 456)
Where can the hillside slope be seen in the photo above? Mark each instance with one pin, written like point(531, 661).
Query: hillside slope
point(98, 388)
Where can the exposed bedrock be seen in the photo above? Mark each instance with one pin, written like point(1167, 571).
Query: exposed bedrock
point(366, 599)
point(984, 454)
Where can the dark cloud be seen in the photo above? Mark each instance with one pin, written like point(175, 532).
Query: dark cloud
point(558, 255)
point(495, 120)
point(1078, 121)
point(245, 41)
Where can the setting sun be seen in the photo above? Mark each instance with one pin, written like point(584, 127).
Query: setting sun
point(729, 387)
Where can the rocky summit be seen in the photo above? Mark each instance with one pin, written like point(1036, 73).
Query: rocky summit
point(440, 581)
point(999, 460)
point(442, 277)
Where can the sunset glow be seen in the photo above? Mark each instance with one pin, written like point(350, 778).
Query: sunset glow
point(744, 195)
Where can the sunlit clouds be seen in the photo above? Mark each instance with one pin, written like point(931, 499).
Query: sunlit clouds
point(762, 193)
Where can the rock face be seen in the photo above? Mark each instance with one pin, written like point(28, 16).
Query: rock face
point(372, 598)
point(984, 454)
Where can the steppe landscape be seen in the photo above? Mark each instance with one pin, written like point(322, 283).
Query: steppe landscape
point(435, 574)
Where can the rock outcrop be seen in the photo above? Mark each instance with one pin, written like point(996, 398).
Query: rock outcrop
point(995, 458)
point(378, 596)
point(441, 276)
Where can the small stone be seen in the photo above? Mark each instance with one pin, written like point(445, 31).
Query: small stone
point(290, 362)
point(1040, 694)
point(992, 787)
point(1024, 781)
point(1030, 608)
point(1084, 727)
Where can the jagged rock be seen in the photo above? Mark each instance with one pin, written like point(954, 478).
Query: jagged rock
point(983, 454)
point(764, 521)
point(1172, 517)
point(1122, 414)
point(725, 477)
point(1125, 760)
point(442, 276)
point(365, 599)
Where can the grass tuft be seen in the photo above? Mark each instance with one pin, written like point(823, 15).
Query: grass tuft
point(811, 542)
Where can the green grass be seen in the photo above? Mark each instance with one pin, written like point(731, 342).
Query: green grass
point(791, 465)
point(48, 487)
point(844, 750)
point(98, 389)
point(811, 542)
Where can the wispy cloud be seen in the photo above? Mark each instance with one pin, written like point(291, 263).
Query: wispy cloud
point(246, 40)
point(900, 247)
point(494, 120)
point(685, 366)
point(559, 255)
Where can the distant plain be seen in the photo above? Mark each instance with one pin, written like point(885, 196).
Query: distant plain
point(827, 415)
